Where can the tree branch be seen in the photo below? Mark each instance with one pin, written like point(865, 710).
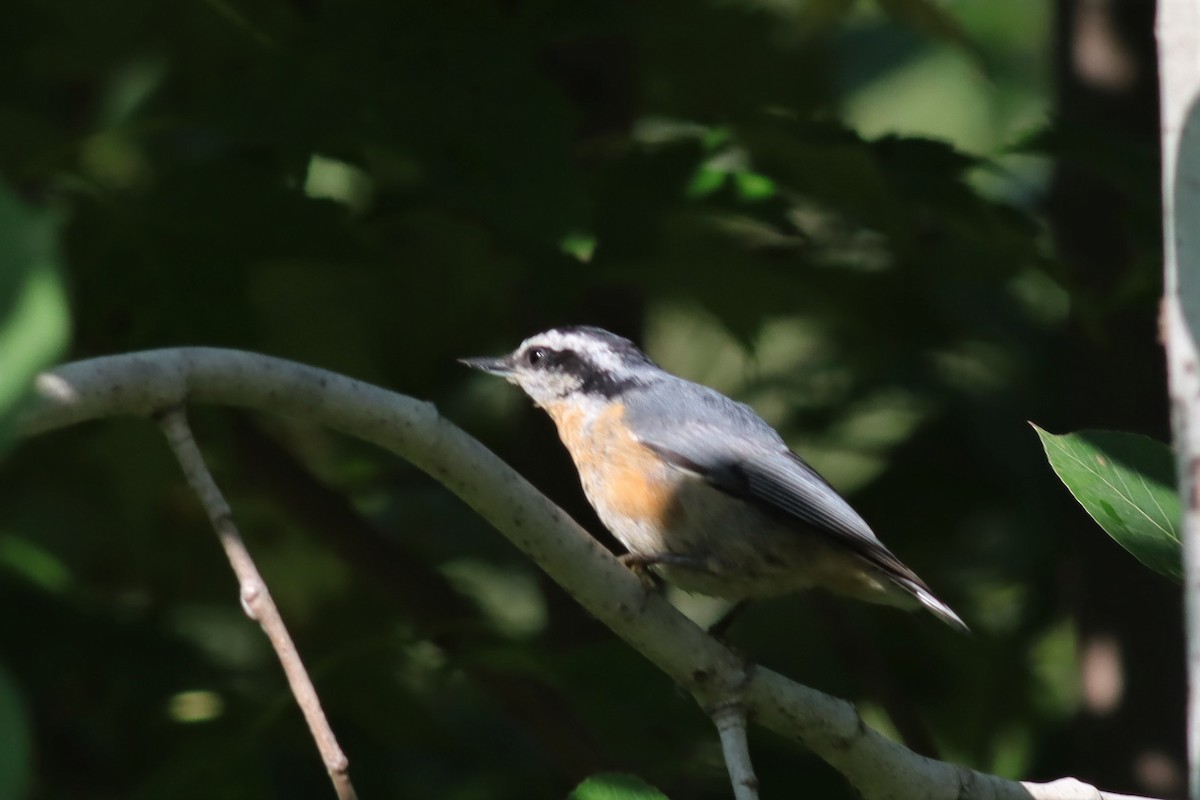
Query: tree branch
point(256, 599)
point(731, 726)
point(141, 383)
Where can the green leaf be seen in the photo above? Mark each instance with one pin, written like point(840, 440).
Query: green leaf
point(1127, 483)
point(706, 181)
point(616, 786)
point(753, 186)
point(33, 306)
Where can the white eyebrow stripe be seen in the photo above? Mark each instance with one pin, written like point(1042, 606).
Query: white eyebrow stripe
point(599, 353)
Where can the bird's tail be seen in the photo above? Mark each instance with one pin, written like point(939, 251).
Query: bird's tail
point(926, 598)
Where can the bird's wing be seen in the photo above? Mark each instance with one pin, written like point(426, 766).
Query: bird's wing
point(726, 444)
point(733, 449)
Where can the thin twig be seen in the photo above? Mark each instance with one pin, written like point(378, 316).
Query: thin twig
point(731, 724)
point(256, 599)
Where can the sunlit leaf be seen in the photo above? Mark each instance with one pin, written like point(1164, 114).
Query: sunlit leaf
point(33, 309)
point(1127, 483)
point(580, 246)
point(616, 786)
point(752, 186)
point(706, 181)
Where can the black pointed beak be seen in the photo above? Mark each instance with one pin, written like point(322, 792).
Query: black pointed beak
point(492, 366)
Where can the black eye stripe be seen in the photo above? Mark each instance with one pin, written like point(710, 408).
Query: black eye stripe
point(591, 379)
point(563, 359)
point(549, 358)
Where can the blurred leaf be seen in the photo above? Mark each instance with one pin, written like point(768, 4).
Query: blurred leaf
point(33, 308)
point(1127, 483)
point(923, 155)
point(752, 186)
point(706, 181)
point(34, 563)
point(579, 246)
point(616, 786)
point(16, 754)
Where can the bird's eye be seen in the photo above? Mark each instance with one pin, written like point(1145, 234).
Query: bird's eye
point(535, 355)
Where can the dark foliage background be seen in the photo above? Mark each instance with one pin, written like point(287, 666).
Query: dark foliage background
point(900, 228)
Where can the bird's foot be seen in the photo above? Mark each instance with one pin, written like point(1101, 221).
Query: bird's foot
point(641, 563)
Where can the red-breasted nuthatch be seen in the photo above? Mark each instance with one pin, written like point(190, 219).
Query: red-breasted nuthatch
point(698, 487)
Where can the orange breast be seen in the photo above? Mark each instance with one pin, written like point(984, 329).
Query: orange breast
point(620, 475)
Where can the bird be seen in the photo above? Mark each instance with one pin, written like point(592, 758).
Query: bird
point(700, 490)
